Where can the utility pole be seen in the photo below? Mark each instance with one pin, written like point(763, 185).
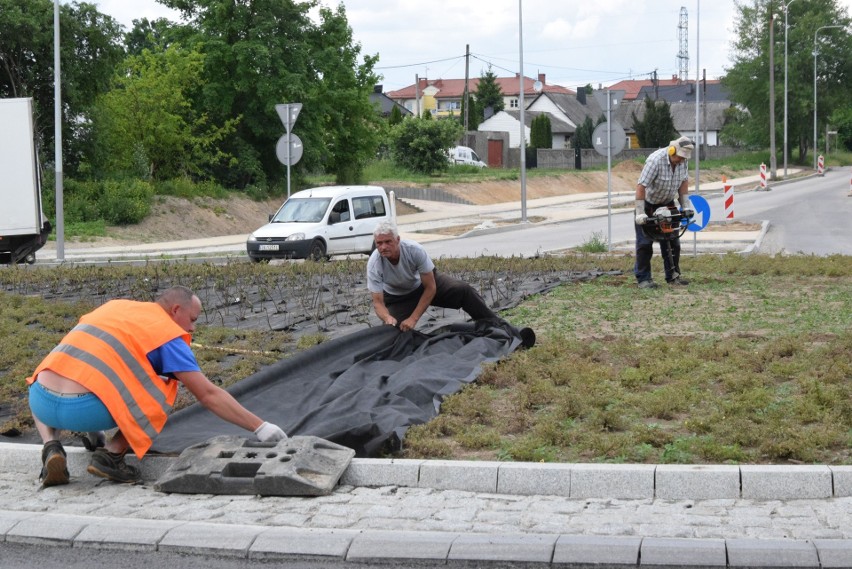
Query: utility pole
point(772, 160)
point(466, 91)
point(417, 95)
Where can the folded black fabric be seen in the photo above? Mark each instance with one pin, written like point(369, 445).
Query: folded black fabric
point(362, 390)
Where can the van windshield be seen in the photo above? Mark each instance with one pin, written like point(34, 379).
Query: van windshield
point(303, 210)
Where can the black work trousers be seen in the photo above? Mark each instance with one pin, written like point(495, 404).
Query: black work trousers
point(450, 293)
point(669, 251)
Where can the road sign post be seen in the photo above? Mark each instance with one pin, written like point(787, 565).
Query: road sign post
point(612, 143)
point(289, 147)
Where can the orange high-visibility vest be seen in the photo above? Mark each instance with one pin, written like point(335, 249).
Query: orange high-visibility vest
point(107, 353)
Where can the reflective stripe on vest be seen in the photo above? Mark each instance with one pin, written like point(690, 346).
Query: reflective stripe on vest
point(141, 375)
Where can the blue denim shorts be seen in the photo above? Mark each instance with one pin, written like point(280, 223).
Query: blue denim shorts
point(81, 413)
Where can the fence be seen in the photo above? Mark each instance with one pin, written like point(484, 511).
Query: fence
point(589, 158)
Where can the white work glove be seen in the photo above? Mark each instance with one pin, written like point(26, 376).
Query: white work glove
point(641, 216)
point(686, 207)
point(269, 432)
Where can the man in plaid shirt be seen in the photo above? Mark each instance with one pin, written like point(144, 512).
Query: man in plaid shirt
point(664, 179)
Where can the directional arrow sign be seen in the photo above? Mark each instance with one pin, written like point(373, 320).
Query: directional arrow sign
point(288, 112)
point(702, 213)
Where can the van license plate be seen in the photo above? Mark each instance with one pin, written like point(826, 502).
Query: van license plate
point(268, 247)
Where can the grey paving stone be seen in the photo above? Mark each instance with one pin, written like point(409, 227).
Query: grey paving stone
point(375, 472)
point(401, 545)
point(124, 534)
point(775, 482)
point(302, 543)
point(596, 550)
point(834, 553)
point(469, 476)
point(842, 476)
point(697, 482)
point(527, 479)
point(219, 539)
point(52, 529)
point(9, 519)
point(518, 548)
point(771, 553)
point(620, 481)
point(682, 552)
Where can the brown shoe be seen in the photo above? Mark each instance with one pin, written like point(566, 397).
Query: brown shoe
point(111, 466)
point(54, 469)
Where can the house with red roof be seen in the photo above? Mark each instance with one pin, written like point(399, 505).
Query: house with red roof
point(443, 97)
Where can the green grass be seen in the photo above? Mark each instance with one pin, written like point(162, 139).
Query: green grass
point(749, 364)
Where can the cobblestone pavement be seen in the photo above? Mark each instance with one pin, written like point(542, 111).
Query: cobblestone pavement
point(423, 509)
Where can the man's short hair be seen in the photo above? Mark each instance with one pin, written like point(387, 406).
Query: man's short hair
point(386, 228)
point(176, 295)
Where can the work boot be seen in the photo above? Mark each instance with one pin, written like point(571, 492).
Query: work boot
point(54, 470)
point(648, 284)
point(111, 465)
point(678, 281)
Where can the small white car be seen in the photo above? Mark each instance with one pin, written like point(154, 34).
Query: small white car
point(465, 155)
point(320, 222)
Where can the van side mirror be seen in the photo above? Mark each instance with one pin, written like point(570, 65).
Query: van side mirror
point(271, 215)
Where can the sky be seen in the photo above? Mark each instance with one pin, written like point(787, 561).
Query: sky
point(598, 42)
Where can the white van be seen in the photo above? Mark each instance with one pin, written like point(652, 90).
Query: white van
point(465, 155)
point(320, 222)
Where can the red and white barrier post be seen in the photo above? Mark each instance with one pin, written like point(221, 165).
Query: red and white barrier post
point(763, 177)
point(729, 198)
point(821, 165)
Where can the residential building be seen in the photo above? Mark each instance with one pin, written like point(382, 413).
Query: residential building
point(510, 122)
point(384, 104)
point(443, 97)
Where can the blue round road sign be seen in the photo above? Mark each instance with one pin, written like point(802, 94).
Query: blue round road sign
point(702, 213)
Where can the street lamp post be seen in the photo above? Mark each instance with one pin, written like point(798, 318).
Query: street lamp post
point(786, 27)
point(815, 88)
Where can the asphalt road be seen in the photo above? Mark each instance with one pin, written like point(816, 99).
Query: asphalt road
point(808, 216)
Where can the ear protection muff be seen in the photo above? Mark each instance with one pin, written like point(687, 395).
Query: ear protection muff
point(672, 150)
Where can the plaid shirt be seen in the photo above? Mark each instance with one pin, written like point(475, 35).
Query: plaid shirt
point(660, 181)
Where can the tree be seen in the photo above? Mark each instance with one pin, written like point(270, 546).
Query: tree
point(154, 35)
point(474, 115)
point(395, 116)
point(421, 144)
point(145, 125)
point(747, 79)
point(656, 129)
point(488, 94)
point(583, 134)
point(90, 47)
point(541, 135)
point(265, 52)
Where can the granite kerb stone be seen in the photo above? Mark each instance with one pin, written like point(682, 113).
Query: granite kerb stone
point(574, 480)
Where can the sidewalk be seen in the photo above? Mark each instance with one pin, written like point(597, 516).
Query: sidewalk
point(396, 511)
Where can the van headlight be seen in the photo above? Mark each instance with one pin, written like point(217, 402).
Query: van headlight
point(252, 238)
point(296, 237)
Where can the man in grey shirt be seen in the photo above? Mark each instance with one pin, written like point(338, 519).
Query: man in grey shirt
point(403, 283)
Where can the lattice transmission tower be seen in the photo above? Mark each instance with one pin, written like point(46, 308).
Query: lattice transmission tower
point(683, 43)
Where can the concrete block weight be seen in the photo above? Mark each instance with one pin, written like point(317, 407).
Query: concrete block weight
point(298, 466)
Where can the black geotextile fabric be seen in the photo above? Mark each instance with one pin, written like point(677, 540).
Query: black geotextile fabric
point(362, 390)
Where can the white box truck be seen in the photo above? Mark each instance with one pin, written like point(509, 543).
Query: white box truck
point(23, 227)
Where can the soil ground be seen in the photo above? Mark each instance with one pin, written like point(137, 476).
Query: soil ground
point(174, 219)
